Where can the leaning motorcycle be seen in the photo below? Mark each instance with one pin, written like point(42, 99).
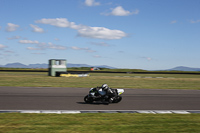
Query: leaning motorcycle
point(97, 94)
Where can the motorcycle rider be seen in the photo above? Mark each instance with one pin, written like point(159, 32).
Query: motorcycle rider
point(109, 92)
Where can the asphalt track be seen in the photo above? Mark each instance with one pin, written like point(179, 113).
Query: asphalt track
point(46, 98)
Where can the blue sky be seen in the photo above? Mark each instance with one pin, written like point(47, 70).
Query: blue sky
point(136, 34)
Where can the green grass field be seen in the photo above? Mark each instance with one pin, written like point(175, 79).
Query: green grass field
point(139, 81)
point(73, 123)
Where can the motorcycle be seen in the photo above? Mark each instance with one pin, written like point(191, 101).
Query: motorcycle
point(97, 94)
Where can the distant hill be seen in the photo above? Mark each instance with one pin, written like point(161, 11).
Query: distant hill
point(15, 65)
point(77, 65)
point(183, 68)
point(38, 65)
point(69, 65)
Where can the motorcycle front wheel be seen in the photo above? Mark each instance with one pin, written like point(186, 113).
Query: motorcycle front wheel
point(117, 99)
point(88, 99)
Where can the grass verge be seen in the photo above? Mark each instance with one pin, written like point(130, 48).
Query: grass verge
point(14, 122)
point(140, 81)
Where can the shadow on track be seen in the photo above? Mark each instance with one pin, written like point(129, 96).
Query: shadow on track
point(94, 103)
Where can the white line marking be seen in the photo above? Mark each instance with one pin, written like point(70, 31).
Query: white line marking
point(145, 112)
point(70, 112)
point(30, 111)
point(51, 112)
point(102, 111)
point(163, 112)
point(180, 112)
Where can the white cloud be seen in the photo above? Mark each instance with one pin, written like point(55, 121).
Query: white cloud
point(75, 48)
point(85, 49)
point(120, 11)
point(173, 22)
point(135, 12)
point(192, 21)
point(85, 31)
point(11, 27)
point(32, 48)
point(55, 46)
point(28, 42)
point(42, 45)
point(147, 58)
point(59, 22)
point(91, 3)
point(100, 33)
point(97, 56)
point(2, 46)
point(36, 28)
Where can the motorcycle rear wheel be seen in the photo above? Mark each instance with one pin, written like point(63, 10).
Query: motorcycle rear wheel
point(88, 99)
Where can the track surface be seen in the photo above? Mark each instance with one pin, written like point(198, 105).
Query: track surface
point(36, 98)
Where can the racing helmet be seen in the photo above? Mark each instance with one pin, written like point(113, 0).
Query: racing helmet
point(104, 86)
